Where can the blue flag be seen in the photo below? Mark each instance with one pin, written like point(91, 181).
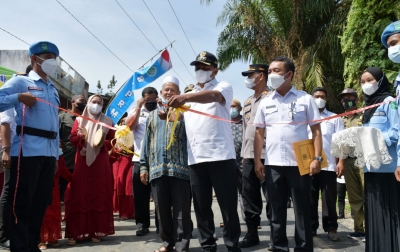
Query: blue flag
point(125, 97)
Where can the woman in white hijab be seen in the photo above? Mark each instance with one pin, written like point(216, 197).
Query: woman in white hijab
point(88, 198)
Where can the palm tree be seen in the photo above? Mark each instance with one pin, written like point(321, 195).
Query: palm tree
point(306, 31)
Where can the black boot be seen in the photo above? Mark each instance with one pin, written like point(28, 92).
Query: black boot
point(251, 239)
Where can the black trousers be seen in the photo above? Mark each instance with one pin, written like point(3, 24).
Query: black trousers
point(324, 182)
point(172, 201)
point(341, 196)
point(222, 176)
point(36, 177)
point(5, 208)
point(278, 180)
point(251, 195)
point(62, 185)
point(141, 198)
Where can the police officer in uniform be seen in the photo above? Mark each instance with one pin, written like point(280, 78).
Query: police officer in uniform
point(256, 80)
point(34, 163)
point(391, 39)
point(354, 175)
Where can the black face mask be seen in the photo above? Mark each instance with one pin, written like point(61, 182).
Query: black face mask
point(81, 106)
point(348, 103)
point(150, 106)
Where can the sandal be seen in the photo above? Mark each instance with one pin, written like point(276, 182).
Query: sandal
point(95, 240)
point(55, 243)
point(221, 224)
point(71, 242)
point(163, 249)
point(42, 246)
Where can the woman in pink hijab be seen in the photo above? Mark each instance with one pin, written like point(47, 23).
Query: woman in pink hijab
point(88, 199)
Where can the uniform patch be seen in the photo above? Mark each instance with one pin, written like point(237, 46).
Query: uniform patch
point(35, 88)
point(393, 105)
point(270, 106)
point(396, 26)
point(44, 47)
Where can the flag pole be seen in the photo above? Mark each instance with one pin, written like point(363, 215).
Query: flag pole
point(112, 98)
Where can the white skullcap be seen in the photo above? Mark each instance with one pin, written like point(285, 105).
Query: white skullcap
point(171, 79)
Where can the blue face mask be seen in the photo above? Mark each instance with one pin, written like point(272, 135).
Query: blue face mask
point(234, 112)
point(394, 53)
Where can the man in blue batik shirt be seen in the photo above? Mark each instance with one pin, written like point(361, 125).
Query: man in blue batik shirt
point(32, 170)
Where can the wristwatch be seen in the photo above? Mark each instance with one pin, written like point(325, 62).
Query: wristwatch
point(319, 159)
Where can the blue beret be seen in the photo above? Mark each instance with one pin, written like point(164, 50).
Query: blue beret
point(391, 29)
point(43, 47)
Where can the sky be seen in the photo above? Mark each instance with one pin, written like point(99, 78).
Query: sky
point(47, 20)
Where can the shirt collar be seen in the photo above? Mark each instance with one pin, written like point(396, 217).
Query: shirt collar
point(291, 90)
point(34, 76)
point(325, 111)
point(211, 82)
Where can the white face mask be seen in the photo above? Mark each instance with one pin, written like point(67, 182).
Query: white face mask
point(394, 53)
point(203, 76)
point(370, 88)
point(320, 103)
point(250, 82)
point(94, 108)
point(48, 66)
point(276, 80)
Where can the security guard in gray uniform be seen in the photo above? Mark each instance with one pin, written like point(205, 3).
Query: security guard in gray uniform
point(34, 149)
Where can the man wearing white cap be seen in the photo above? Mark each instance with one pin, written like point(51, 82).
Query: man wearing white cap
point(167, 171)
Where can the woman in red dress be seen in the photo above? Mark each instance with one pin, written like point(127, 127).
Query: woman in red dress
point(123, 190)
point(50, 231)
point(88, 199)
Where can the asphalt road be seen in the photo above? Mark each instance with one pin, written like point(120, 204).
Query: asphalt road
point(125, 239)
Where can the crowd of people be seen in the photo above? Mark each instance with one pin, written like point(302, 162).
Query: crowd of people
point(181, 158)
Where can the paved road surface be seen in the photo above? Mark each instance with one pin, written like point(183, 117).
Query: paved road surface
point(125, 240)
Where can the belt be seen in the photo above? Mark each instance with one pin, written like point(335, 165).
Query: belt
point(37, 132)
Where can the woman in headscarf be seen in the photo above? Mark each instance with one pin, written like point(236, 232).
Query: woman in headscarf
point(382, 191)
point(88, 199)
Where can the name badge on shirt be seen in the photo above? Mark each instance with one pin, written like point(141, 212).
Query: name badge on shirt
point(270, 106)
point(35, 88)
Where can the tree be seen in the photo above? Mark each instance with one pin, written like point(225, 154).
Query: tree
point(308, 32)
point(99, 88)
point(361, 41)
point(111, 86)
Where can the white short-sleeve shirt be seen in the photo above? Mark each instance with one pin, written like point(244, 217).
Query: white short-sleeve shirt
point(8, 116)
point(282, 117)
point(138, 132)
point(209, 139)
point(328, 128)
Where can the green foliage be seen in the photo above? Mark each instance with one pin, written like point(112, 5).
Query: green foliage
point(111, 86)
point(99, 88)
point(361, 41)
point(308, 32)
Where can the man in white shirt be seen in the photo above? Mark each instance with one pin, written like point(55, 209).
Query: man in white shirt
point(211, 153)
point(325, 181)
point(285, 115)
point(141, 192)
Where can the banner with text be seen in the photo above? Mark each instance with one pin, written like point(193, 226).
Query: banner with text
point(125, 97)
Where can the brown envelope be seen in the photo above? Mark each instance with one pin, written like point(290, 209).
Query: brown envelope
point(305, 153)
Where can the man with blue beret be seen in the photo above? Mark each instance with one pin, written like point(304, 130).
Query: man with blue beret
point(34, 149)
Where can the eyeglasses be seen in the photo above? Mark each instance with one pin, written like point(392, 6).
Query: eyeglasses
point(292, 111)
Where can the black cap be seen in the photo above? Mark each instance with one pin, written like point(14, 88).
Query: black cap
point(347, 91)
point(205, 58)
point(256, 68)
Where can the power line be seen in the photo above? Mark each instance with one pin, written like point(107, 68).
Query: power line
point(94, 35)
point(14, 36)
point(167, 39)
point(182, 27)
point(147, 37)
point(136, 25)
